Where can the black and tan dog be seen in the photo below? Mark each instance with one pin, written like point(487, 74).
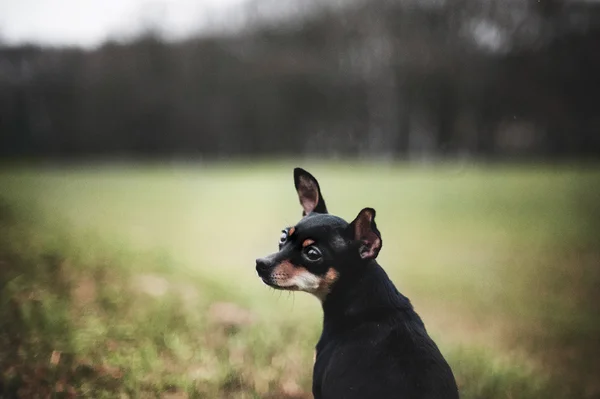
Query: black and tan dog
point(373, 344)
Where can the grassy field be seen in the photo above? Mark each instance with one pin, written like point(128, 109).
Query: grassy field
point(139, 281)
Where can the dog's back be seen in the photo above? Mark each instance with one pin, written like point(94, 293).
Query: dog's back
point(380, 352)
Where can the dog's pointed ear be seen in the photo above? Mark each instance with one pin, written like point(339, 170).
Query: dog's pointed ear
point(309, 192)
point(364, 230)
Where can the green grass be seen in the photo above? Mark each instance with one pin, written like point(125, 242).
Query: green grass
point(142, 277)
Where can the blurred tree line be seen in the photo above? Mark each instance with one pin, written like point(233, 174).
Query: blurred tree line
point(401, 78)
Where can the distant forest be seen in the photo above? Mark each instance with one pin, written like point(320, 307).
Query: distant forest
point(398, 79)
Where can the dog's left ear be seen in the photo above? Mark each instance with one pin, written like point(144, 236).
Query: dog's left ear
point(364, 230)
point(309, 192)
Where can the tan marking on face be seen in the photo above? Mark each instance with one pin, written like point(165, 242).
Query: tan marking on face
point(307, 242)
point(288, 276)
point(282, 273)
point(291, 231)
point(326, 283)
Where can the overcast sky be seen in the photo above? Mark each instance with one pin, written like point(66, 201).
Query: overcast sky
point(89, 22)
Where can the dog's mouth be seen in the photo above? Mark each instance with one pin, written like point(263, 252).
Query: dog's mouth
point(273, 284)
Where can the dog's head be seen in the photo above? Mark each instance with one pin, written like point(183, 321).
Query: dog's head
point(320, 248)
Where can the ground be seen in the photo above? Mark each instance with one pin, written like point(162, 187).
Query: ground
point(139, 279)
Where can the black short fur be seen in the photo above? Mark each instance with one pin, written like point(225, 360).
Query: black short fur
point(373, 344)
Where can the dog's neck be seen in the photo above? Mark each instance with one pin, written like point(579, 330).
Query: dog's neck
point(367, 295)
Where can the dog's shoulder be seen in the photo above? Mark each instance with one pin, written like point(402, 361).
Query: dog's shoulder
point(391, 357)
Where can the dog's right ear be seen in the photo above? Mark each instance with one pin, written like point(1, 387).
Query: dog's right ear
point(364, 230)
point(309, 192)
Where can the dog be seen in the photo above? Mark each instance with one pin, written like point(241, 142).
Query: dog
point(373, 344)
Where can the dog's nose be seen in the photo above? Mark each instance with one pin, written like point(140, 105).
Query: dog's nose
point(262, 266)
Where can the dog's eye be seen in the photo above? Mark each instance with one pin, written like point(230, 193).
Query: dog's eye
point(283, 237)
point(313, 253)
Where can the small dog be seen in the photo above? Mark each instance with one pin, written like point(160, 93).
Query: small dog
point(373, 344)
